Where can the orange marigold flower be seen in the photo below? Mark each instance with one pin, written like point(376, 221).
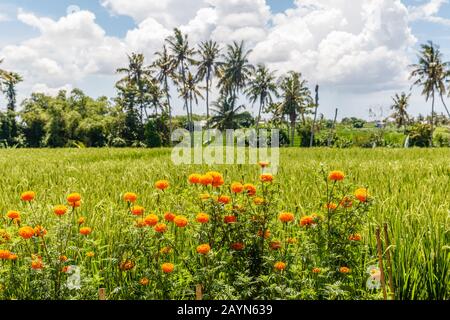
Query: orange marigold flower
point(224, 199)
point(130, 197)
point(73, 197)
point(161, 228)
point(90, 254)
point(266, 234)
point(162, 184)
point(346, 202)
point(5, 254)
point(202, 218)
point(85, 231)
point(355, 237)
point(361, 194)
point(65, 269)
point(165, 250)
point(169, 216)
point(258, 201)
point(344, 270)
point(126, 265)
point(13, 257)
point(203, 248)
point(238, 246)
point(151, 220)
point(263, 164)
point(137, 210)
point(63, 258)
point(75, 204)
point(140, 223)
point(60, 210)
point(26, 232)
point(275, 245)
point(204, 196)
point(81, 220)
point(280, 266)
point(307, 221)
point(13, 215)
point(336, 176)
point(194, 178)
point(206, 179)
point(230, 219)
point(37, 264)
point(316, 270)
point(286, 217)
point(250, 189)
point(167, 267)
point(181, 221)
point(237, 187)
point(28, 196)
point(144, 282)
point(331, 206)
point(39, 231)
point(217, 178)
point(266, 177)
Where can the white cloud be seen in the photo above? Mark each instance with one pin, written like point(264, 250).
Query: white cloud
point(429, 11)
point(362, 44)
point(43, 88)
point(4, 17)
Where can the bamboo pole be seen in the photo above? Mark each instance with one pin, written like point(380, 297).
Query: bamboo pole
point(198, 292)
point(380, 263)
point(101, 294)
point(389, 264)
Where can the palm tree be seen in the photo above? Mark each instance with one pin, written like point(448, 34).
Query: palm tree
point(400, 106)
point(208, 66)
point(4, 75)
point(430, 74)
point(296, 98)
point(165, 70)
point(261, 87)
point(138, 77)
point(235, 70)
point(226, 115)
point(182, 56)
point(10, 82)
point(192, 92)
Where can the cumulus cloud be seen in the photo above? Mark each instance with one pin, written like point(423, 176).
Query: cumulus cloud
point(429, 12)
point(66, 50)
point(361, 44)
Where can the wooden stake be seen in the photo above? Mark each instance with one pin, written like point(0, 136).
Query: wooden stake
point(101, 294)
point(198, 292)
point(380, 263)
point(389, 264)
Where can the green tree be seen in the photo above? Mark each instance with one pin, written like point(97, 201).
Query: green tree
point(227, 115)
point(430, 74)
point(399, 106)
point(262, 87)
point(295, 99)
point(208, 66)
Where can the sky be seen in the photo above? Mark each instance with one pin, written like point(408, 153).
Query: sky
point(357, 51)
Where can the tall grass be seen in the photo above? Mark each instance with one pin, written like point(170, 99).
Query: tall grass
point(411, 190)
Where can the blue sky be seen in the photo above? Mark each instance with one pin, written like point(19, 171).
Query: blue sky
point(357, 76)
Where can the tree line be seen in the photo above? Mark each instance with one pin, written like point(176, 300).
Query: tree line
point(141, 114)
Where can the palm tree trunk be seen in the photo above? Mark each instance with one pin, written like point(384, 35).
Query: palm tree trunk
point(170, 110)
point(258, 120)
point(432, 121)
point(207, 98)
point(445, 106)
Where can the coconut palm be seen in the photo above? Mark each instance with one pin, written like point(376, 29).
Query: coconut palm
point(10, 82)
point(208, 66)
point(296, 98)
point(182, 57)
point(164, 71)
point(400, 106)
point(235, 70)
point(191, 91)
point(430, 74)
point(261, 87)
point(226, 115)
point(137, 78)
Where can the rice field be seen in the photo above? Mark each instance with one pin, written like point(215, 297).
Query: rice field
point(409, 190)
